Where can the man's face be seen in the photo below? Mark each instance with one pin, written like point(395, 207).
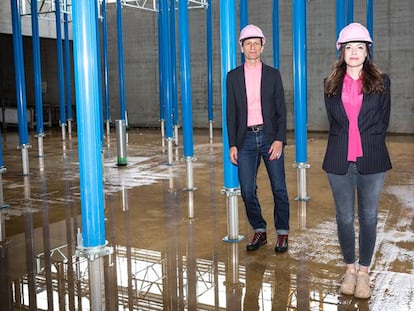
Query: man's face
point(252, 48)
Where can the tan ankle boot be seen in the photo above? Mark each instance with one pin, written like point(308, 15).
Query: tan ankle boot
point(362, 289)
point(348, 282)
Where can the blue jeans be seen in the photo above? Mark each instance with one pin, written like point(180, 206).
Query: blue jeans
point(368, 189)
point(255, 147)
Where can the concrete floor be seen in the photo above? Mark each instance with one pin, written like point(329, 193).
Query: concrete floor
point(165, 260)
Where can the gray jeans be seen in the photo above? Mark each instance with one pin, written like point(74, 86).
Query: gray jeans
point(368, 189)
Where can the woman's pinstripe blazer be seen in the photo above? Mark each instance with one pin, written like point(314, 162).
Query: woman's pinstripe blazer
point(373, 122)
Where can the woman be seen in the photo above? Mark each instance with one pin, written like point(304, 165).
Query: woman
point(357, 100)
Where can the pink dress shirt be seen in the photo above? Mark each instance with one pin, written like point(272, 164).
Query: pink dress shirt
point(352, 101)
point(253, 78)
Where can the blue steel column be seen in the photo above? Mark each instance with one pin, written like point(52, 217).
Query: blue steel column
point(68, 76)
point(98, 56)
point(106, 67)
point(92, 243)
point(20, 85)
point(209, 22)
point(370, 22)
point(161, 77)
point(185, 70)
point(228, 62)
point(172, 46)
point(60, 69)
point(276, 36)
point(349, 11)
point(340, 16)
point(244, 19)
point(87, 102)
point(120, 60)
point(37, 79)
point(163, 7)
point(300, 93)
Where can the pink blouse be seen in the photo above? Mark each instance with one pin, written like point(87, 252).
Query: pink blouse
point(253, 78)
point(352, 101)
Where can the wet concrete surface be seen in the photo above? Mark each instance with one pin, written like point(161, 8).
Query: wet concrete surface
point(164, 259)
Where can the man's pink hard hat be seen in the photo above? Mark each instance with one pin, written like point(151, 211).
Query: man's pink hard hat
point(353, 32)
point(251, 31)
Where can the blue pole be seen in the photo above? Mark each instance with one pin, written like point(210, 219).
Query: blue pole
point(244, 19)
point(185, 78)
point(87, 102)
point(340, 16)
point(300, 78)
point(370, 21)
point(276, 35)
point(98, 56)
point(105, 57)
point(37, 69)
point(120, 60)
point(172, 46)
point(228, 62)
point(60, 63)
point(210, 61)
point(161, 68)
point(68, 87)
point(350, 11)
point(19, 74)
point(167, 66)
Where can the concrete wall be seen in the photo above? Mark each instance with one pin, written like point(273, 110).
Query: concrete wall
point(393, 51)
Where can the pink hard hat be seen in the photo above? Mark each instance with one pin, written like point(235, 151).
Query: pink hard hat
point(353, 32)
point(251, 31)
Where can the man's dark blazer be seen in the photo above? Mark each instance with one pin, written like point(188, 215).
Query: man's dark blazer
point(273, 105)
point(373, 122)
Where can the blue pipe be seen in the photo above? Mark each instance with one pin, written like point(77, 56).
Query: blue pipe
point(87, 103)
point(172, 47)
point(244, 19)
point(60, 63)
point(276, 35)
point(68, 87)
point(120, 60)
point(167, 68)
point(185, 78)
point(19, 73)
point(37, 69)
point(98, 56)
point(300, 79)
point(370, 22)
point(161, 67)
point(340, 16)
point(349, 11)
point(105, 59)
point(210, 61)
point(228, 62)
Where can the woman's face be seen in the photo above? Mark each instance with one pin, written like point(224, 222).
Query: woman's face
point(355, 54)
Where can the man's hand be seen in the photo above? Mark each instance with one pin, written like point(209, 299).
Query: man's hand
point(233, 155)
point(275, 150)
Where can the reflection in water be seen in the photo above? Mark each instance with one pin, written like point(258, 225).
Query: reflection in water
point(234, 287)
point(162, 260)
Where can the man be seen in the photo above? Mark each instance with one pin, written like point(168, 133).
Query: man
point(256, 121)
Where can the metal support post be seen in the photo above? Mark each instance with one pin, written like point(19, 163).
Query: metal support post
point(121, 142)
point(25, 158)
point(232, 215)
point(211, 132)
point(301, 181)
point(170, 150)
point(40, 144)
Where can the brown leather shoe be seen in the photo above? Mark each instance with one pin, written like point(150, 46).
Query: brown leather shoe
point(281, 243)
point(258, 239)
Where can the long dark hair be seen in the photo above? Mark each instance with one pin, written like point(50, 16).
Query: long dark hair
point(371, 75)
